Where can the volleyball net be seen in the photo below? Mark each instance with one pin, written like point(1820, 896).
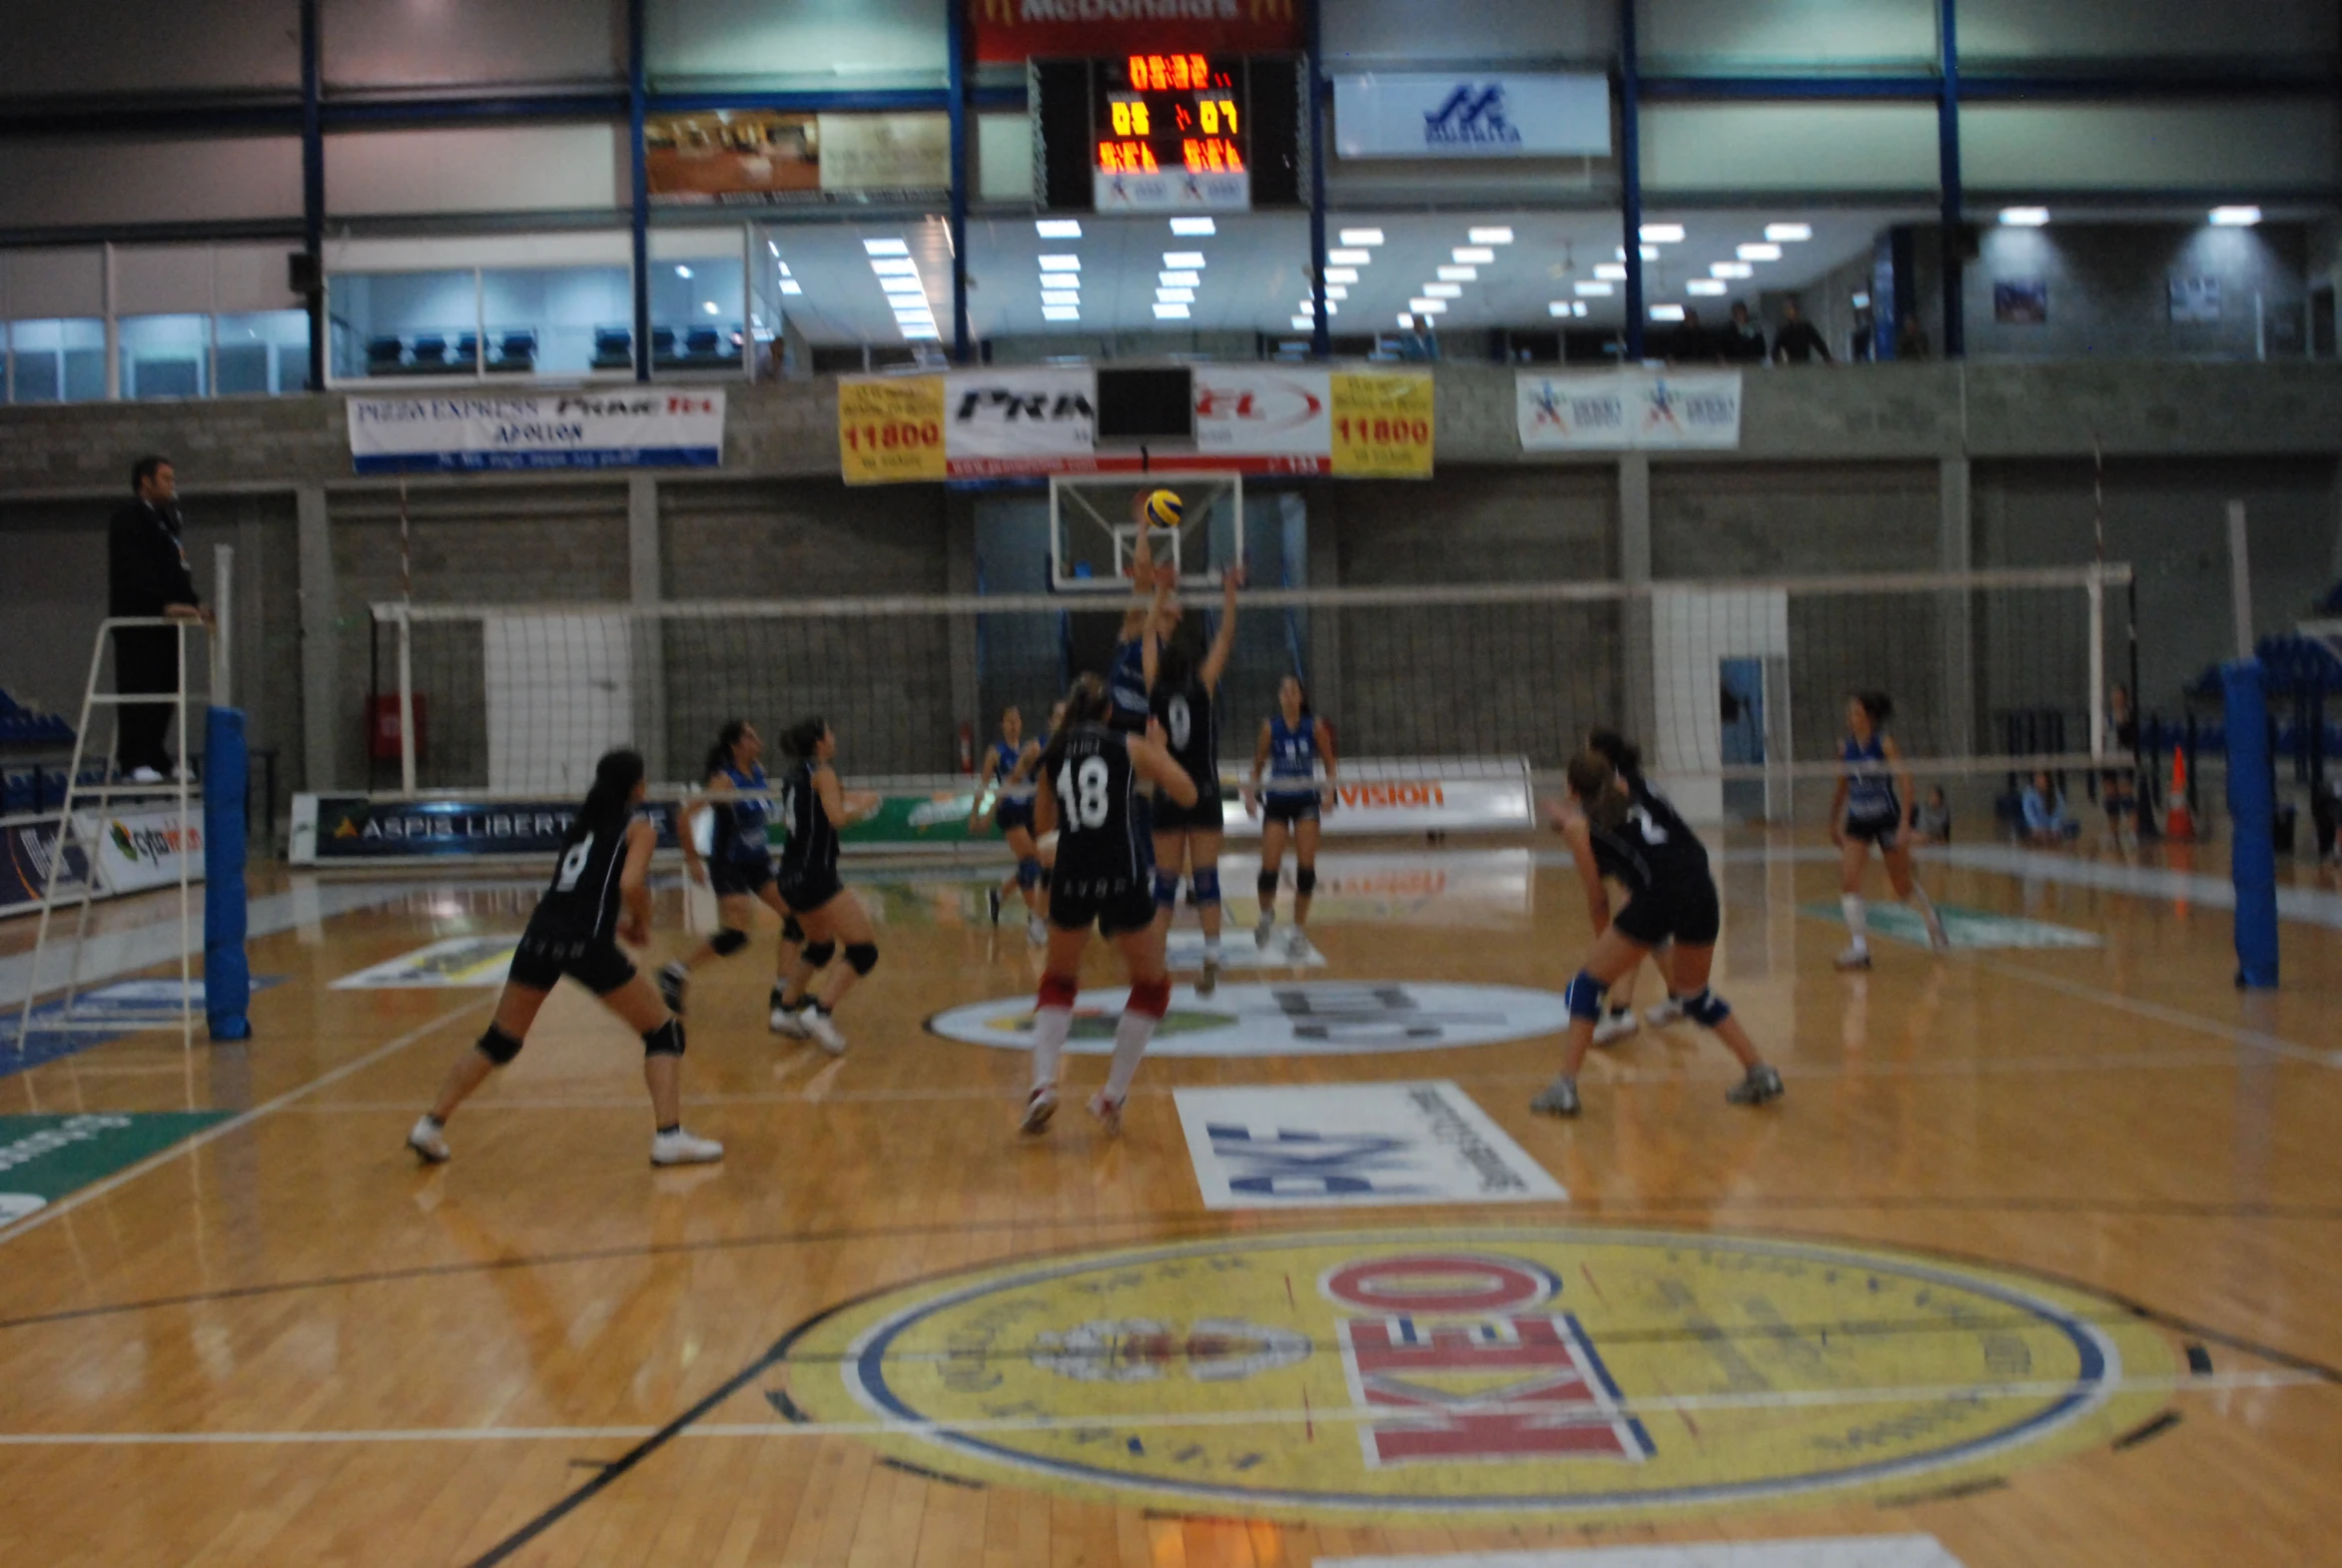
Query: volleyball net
point(1739, 682)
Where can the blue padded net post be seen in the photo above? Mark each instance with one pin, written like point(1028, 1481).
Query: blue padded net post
point(2252, 811)
point(227, 972)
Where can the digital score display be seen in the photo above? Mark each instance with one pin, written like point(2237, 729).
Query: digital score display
point(1166, 113)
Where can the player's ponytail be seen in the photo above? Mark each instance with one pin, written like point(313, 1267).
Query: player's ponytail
point(719, 757)
point(804, 736)
point(1087, 701)
point(1593, 780)
point(612, 799)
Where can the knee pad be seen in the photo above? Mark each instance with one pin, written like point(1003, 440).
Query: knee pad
point(1584, 997)
point(1059, 991)
point(1265, 885)
point(1029, 872)
point(499, 1046)
point(1151, 998)
point(818, 954)
point(790, 930)
point(1304, 880)
point(1707, 1009)
point(728, 941)
point(664, 1040)
point(862, 957)
point(1203, 885)
point(1166, 888)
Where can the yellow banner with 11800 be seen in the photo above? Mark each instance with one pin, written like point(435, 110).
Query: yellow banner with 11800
point(891, 429)
point(1381, 425)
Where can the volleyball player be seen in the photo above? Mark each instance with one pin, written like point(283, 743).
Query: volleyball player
point(1643, 845)
point(1009, 763)
point(1627, 758)
point(600, 892)
point(1293, 742)
point(1188, 837)
point(816, 808)
point(1871, 806)
point(1090, 776)
point(738, 866)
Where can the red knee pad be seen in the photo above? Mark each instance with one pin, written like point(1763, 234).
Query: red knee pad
point(1150, 996)
point(1059, 991)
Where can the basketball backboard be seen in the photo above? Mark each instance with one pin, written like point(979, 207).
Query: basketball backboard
point(1094, 527)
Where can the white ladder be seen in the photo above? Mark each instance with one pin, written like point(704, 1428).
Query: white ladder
point(83, 891)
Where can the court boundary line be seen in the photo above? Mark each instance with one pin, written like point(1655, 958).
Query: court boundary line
point(243, 1119)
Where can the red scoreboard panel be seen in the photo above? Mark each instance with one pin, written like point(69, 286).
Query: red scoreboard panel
point(1131, 119)
point(1161, 112)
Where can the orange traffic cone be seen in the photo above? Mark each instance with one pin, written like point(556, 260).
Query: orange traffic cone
point(2178, 825)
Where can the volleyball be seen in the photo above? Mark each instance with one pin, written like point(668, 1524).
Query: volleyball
point(1164, 509)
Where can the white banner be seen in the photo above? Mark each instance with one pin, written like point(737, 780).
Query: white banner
point(472, 431)
point(1171, 191)
point(1284, 418)
point(1322, 1146)
point(1441, 114)
point(1369, 804)
point(138, 850)
point(1614, 410)
point(1019, 421)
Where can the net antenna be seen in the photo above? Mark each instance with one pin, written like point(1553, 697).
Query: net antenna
point(1095, 531)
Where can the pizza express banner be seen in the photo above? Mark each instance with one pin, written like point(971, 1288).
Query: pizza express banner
point(1628, 410)
point(329, 828)
point(1249, 418)
point(475, 433)
point(1013, 31)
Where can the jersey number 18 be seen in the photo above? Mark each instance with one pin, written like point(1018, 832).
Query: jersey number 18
point(1086, 806)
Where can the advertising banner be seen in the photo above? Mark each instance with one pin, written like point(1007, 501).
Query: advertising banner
point(139, 850)
point(890, 428)
point(1171, 191)
point(1381, 425)
point(464, 433)
point(752, 157)
point(333, 828)
point(1009, 32)
point(1617, 410)
point(1280, 420)
point(27, 847)
point(1005, 422)
point(1442, 114)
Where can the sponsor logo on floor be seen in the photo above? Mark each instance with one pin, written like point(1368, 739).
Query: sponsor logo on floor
point(1482, 1376)
point(1859, 1551)
point(100, 1016)
point(43, 1159)
point(458, 961)
point(1321, 1144)
point(1300, 1019)
point(1967, 928)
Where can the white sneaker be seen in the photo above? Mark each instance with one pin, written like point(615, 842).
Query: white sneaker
point(428, 1140)
point(1040, 1106)
point(1209, 980)
point(681, 1148)
point(1297, 944)
point(1615, 1027)
point(1036, 931)
point(1108, 1114)
point(145, 776)
point(1261, 931)
point(1855, 957)
point(790, 1022)
point(824, 1033)
point(1666, 1012)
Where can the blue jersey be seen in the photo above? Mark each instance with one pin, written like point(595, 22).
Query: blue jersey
point(1870, 789)
point(1126, 683)
point(1004, 768)
point(1293, 756)
point(739, 828)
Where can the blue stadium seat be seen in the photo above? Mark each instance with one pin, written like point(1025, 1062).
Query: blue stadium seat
point(467, 351)
point(383, 356)
point(614, 349)
point(431, 351)
point(516, 354)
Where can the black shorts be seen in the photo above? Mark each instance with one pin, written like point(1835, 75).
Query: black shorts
point(1208, 815)
point(595, 962)
point(805, 892)
point(1290, 809)
point(733, 878)
point(1013, 814)
point(1685, 910)
point(1885, 832)
point(1115, 905)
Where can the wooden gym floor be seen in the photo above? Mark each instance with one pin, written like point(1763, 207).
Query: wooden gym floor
point(281, 1341)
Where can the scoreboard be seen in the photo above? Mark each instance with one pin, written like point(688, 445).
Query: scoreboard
point(1166, 132)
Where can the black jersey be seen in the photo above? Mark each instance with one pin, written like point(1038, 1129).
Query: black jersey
point(811, 854)
point(1188, 725)
point(1651, 848)
point(1101, 839)
point(582, 900)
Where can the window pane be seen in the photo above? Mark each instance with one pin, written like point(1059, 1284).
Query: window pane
point(264, 353)
point(404, 323)
point(58, 360)
point(165, 356)
point(557, 320)
point(698, 315)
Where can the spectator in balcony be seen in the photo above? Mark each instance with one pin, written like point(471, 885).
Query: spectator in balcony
point(1910, 340)
point(1933, 821)
point(1798, 342)
point(147, 577)
point(1744, 340)
point(2045, 818)
point(1692, 344)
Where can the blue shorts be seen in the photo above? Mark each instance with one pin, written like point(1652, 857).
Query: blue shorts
point(1013, 814)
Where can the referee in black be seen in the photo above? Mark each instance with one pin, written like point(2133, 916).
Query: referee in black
point(147, 576)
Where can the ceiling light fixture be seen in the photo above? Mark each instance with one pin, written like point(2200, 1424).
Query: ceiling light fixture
point(1705, 285)
point(1427, 307)
point(1334, 291)
point(1759, 253)
point(1597, 289)
point(1498, 236)
point(1194, 226)
point(2236, 217)
point(1349, 258)
point(1404, 320)
point(1731, 269)
point(1474, 253)
point(1558, 308)
point(1060, 263)
point(885, 248)
point(1361, 236)
point(1667, 313)
point(2024, 216)
point(1192, 259)
point(1060, 296)
point(1061, 312)
point(791, 285)
point(1341, 275)
point(1058, 228)
point(1171, 312)
point(1175, 296)
point(895, 267)
point(1661, 234)
point(1789, 231)
point(1300, 324)
point(1179, 279)
point(1460, 273)
point(1443, 291)
point(682, 271)
point(1614, 271)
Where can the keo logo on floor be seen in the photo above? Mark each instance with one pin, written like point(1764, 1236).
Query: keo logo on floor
point(1318, 1146)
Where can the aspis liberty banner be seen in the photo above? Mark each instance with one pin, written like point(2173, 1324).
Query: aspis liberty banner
point(1628, 410)
point(469, 432)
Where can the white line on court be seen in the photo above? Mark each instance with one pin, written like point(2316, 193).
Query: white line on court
point(1770, 1399)
point(2156, 1012)
point(67, 1204)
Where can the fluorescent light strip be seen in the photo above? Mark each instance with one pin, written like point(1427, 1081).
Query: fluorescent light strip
point(1705, 285)
point(1194, 226)
point(1061, 312)
point(1597, 289)
point(1190, 259)
point(791, 285)
point(1405, 320)
point(1661, 234)
point(1061, 297)
point(885, 248)
point(895, 267)
point(1789, 231)
point(1759, 253)
point(1458, 274)
point(2236, 217)
point(1667, 313)
point(1349, 258)
point(1427, 307)
point(1489, 236)
point(1334, 291)
point(1060, 263)
point(1361, 236)
point(1443, 291)
point(1614, 271)
point(2024, 216)
point(1301, 322)
point(1058, 228)
point(1731, 269)
point(1179, 279)
point(902, 286)
point(1474, 253)
point(1171, 312)
point(1175, 296)
point(1341, 275)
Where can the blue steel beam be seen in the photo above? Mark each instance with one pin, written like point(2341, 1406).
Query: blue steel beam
point(1314, 97)
point(638, 154)
point(1630, 174)
point(955, 44)
point(1953, 220)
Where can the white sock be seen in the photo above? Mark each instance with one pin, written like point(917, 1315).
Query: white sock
point(1050, 1026)
point(1130, 1037)
point(1857, 918)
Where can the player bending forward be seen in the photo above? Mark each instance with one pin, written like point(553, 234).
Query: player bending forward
point(1644, 846)
point(1090, 780)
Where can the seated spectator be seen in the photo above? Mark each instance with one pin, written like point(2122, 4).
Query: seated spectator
point(2046, 817)
point(1933, 821)
point(1910, 340)
point(1744, 342)
point(1798, 342)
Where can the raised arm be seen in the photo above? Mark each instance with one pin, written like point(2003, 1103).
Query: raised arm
point(1151, 639)
point(1224, 641)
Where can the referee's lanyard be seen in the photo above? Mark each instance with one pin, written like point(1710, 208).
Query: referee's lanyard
point(163, 521)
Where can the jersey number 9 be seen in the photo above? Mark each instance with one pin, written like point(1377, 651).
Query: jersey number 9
point(1180, 722)
point(574, 864)
point(1086, 806)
